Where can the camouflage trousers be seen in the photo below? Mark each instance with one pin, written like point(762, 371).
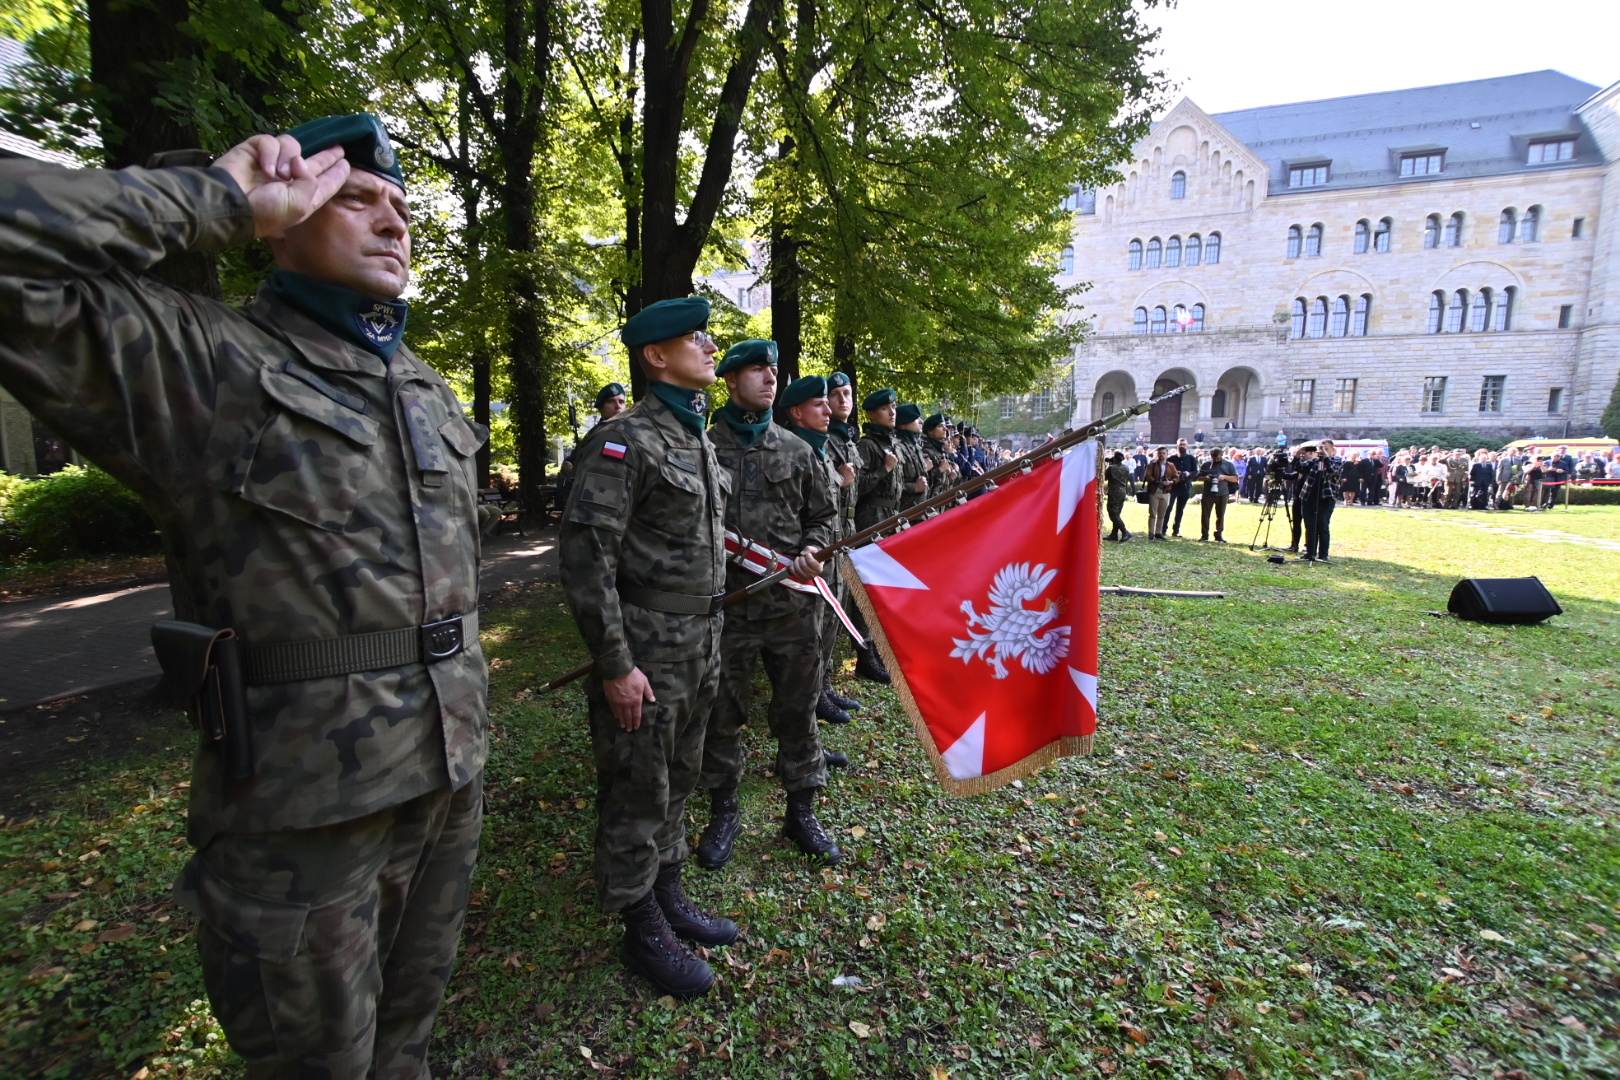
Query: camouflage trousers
point(644, 777)
point(791, 646)
point(326, 951)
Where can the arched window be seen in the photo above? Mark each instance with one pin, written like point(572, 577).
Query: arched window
point(1212, 249)
point(1195, 248)
point(1437, 310)
point(1508, 225)
point(1296, 323)
point(1178, 185)
point(1108, 400)
point(1454, 230)
point(1339, 324)
point(1217, 404)
point(1362, 315)
point(1313, 240)
point(1381, 234)
point(1172, 251)
point(1153, 252)
point(1530, 226)
point(1179, 319)
point(1136, 255)
point(1504, 308)
point(1158, 321)
point(1295, 240)
point(1454, 313)
point(1198, 318)
point(1363, 236)
point(1479, 319)
point(1139, 320)
point(1317, 326)
point(1066, 261)
point(1431, 232)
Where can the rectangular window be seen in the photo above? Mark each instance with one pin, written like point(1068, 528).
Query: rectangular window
point(1344, 396)
point(1555, 401)
point(1551, 150)
point(1490, 393)
point(1308, 175)
point(1006, 407)
point(1434, 394)
point(1422, 164)
point(1575, 229)
point(1566, 313)
point(1304, 396)
point(1041, 402)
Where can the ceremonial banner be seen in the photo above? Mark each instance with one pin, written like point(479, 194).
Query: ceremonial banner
point(988, 616)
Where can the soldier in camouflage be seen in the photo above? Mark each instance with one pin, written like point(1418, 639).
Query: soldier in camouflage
point(877, 495)
point(780, 498)
point(642, 554)
point(314, 483)
point(834, 707)
point(942, 471)
point(913, 466)
point(610, 401)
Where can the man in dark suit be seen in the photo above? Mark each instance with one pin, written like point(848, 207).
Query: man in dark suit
point(1187, 465)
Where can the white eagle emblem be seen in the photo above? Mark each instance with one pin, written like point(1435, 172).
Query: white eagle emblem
point(1011, 630)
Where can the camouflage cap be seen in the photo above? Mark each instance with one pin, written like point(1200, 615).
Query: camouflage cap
point(665, 320)
point(933, 422)
point(802, 390)
point(363, 138)
point(612, 389)
point(879, 398)
point(747, 354)
point(908, 414)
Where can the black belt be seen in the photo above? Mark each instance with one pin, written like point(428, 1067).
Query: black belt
point(671, 603)
point(887, 504)
point(295, 661)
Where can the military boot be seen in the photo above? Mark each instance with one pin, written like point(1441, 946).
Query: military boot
point(652, 951)
point(869, 665)
point(800, 826)
point(835, 759)
point(848, 704)
point(689, 921)
point(720, 834)
point(826, 710)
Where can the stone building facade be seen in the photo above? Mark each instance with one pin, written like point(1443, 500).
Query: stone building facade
point(1438, 257)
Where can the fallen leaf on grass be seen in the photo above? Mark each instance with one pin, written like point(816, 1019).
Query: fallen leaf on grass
point(858, 831)
point(861, 1030)
point(938, 1072)
point(1108, 1066)
point(1572, 1023)
point(877, 922)
point(115, 933)
point(585, 1052)
point(85, 926)
point(546, 1008)
point(1491, 935)
point(1137, 1034)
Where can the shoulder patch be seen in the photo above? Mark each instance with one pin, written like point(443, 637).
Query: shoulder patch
point(613, 450)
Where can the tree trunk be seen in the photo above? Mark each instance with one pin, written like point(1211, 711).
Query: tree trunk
point(786, 311)
point(480, 379)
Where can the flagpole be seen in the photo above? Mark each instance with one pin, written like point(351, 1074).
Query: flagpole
point(1020, 464)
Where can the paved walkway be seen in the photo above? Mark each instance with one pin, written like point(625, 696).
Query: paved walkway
point(55, 648)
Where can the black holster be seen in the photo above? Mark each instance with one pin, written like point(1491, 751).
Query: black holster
point(202, 671)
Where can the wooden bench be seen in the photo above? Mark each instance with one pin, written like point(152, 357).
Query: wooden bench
point(511, 510)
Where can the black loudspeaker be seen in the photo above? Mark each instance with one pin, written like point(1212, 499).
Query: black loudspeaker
point(1503, 600)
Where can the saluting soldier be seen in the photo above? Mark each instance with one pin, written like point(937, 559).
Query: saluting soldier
point(913, 466)
point(833, 706)
point(610, 401)
point(780, 498)
point(314, 482)
point(877, 488)
point(942, 471)
point(642, 555)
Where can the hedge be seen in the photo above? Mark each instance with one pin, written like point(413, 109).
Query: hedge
point(74, 513)
point(1596, 495)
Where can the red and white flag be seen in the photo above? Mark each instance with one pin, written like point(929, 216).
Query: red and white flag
point(988, 618)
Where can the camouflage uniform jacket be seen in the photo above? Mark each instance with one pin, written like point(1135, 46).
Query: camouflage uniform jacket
point(934, 457)
point(647, 511)
point(877, 491)
point(295, 500)
point(841, 451)
point(912, 466)
point(779, 498)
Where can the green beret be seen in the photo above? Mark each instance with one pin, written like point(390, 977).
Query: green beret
point(665, 320)
point(802, 390)
point(933, 422)
point(747, 354)
point(879, 398)
point(837, 379)
point(612, 389)
point(907, 414)
point(363, 138)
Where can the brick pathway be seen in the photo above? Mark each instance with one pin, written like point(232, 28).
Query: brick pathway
point(54, 647)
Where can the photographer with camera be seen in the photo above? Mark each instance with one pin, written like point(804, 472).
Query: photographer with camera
point(1320, 475)
point(1216, 474)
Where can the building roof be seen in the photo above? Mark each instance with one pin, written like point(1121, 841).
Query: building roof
point(13, 54)
point(1484, 126)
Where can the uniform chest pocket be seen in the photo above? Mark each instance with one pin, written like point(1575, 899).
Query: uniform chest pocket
point(311, 456)
point(778, 469)
point(682, 474)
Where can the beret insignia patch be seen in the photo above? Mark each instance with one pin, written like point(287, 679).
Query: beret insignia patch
point(379, 322)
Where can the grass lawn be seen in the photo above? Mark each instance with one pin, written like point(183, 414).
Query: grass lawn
point(1324, 834)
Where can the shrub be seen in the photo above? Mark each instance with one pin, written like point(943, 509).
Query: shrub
point(1596, 495)
point(1611, 415)
point(71, 514)
point(1445, 438)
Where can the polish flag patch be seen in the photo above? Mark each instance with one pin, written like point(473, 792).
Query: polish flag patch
point(613, 450)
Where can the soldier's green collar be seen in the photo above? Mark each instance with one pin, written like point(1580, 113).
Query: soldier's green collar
point(749, 426)
point(912, 437)
point(844, 430)
point(816, 439)
point(378, 326)
point(689, 406)
point(880, 432)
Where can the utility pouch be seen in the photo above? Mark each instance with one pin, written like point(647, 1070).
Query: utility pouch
point(202, 670)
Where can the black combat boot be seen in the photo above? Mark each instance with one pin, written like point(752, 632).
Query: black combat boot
point(826, 710)
point(652, 951)
point(869, 665)
point(835, 759)
point(689, 921)
point(848, 704)
point(720, 834)
point(800, 826)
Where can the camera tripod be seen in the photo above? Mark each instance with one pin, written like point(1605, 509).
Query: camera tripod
point(1275, 496)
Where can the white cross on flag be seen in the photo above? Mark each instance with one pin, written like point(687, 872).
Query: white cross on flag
point(988, 618)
